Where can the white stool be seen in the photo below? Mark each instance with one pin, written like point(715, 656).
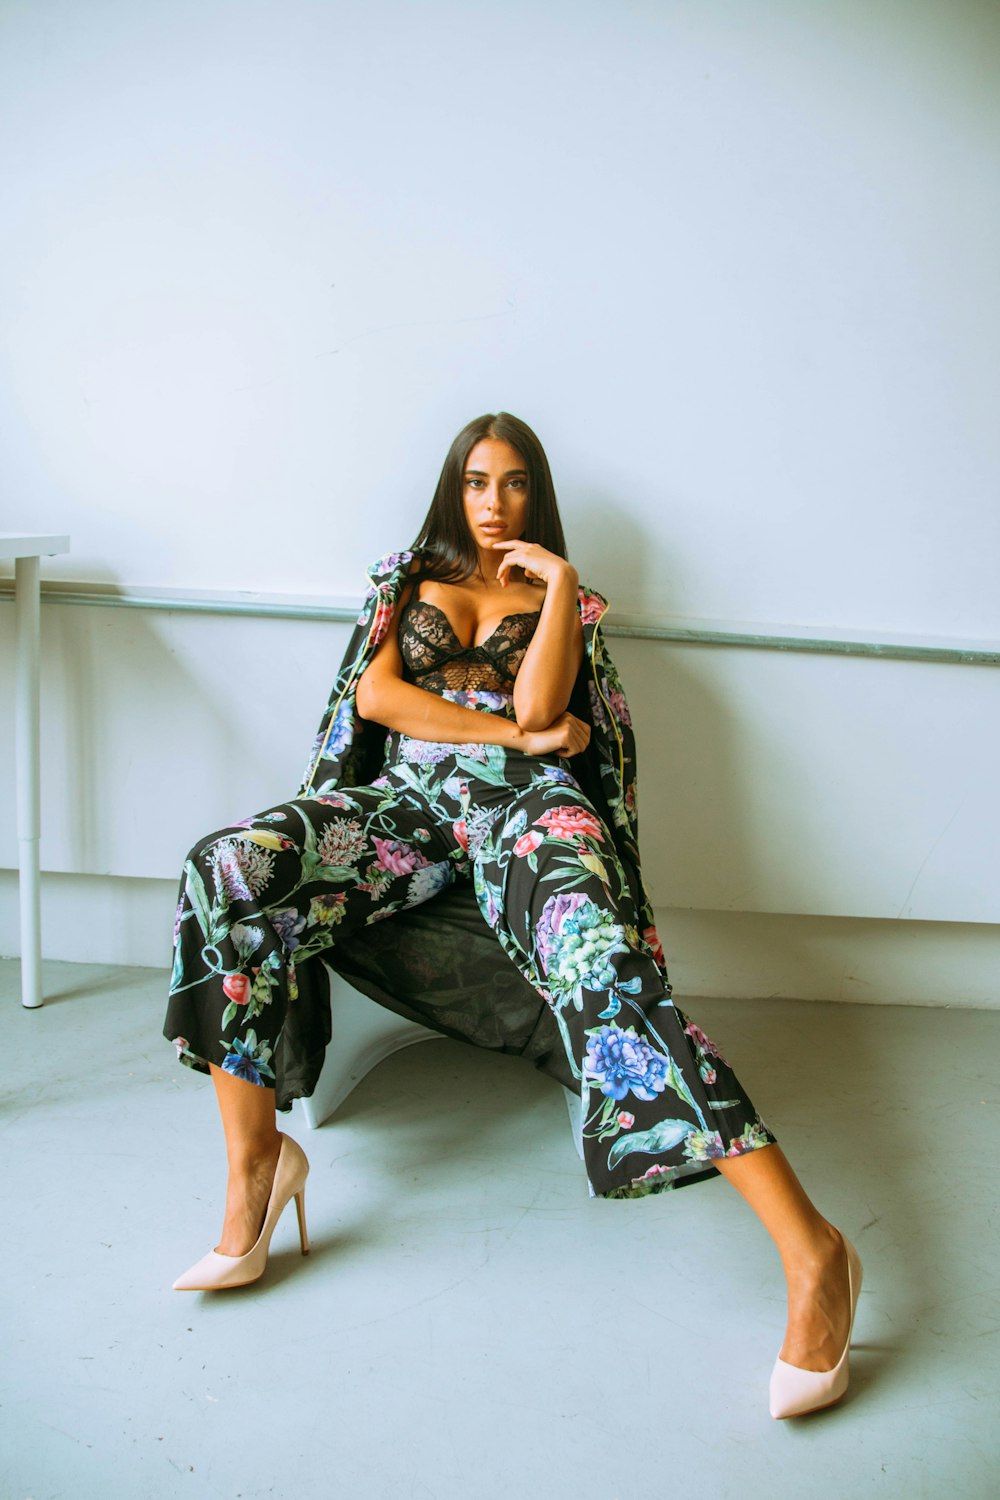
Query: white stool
point(363, 1033)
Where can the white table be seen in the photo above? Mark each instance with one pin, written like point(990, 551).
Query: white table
point(26, 550)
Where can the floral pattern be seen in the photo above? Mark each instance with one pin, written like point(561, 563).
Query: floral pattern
point(576, 941)
point(560, 959)
point(622, 1063)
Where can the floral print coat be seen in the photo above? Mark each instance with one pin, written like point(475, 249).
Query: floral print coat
point(348, 750)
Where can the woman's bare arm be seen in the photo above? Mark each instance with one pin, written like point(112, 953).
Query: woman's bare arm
point(549, 667)
point(384, 697)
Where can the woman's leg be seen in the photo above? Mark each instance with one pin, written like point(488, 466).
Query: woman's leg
point(812, 1255)
point(256, 899)
point(660, 1104)
point(550, 885)
point(252, 1146)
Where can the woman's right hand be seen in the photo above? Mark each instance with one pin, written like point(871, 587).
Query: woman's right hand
point(565, 736)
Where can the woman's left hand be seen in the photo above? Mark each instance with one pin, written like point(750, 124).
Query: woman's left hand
point(533, 560)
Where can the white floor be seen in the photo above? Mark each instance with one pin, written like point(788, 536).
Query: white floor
point(470, 1324)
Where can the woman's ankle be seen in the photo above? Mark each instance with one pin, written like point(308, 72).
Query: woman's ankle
point(247, 1156)
point(815, 1251)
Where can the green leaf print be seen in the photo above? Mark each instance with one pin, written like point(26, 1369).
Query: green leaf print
point(177, 973)
point(494, 774)
point(496, 759)
point(313, 869)
point(567, 882)
point(661, 1137)
point(260, 990)
point(410, 776)
point(198, 897)
point(607, 1124)
point(676, 1081)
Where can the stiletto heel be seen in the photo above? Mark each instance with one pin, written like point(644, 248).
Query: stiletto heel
point(215, 1272)
point(300, 1211)
point(795, 1391)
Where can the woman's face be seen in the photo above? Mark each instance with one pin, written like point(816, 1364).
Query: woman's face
point(495, 490)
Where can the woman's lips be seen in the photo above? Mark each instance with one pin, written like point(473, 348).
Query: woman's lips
point(492, 529)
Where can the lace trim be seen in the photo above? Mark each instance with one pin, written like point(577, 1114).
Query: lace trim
point(435, 659)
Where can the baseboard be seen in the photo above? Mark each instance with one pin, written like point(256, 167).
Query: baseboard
point(96, 919)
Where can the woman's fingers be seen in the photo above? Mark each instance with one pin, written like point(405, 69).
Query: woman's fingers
point(533, 559)
point(566, 735)
point(576, 736)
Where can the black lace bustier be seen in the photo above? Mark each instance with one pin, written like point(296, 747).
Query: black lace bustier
point(434, 658)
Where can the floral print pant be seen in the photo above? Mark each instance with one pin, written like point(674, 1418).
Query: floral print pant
point(658, 1101)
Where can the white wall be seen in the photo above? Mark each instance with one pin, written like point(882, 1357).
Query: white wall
point(768, 781)
point(735, 263)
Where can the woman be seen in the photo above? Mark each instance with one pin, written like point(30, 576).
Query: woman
point(477, 749)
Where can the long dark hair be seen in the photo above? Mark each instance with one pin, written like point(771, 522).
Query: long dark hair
point(445, 544)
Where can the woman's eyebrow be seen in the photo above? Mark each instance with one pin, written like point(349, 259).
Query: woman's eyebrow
point(508, 474)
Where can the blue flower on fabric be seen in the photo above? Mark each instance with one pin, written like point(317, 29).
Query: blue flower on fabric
point(248, 1059)
point(288, 924)
point(577, 940)
point(341, 733)
point(481, 699)
point(560, 774)
point(622, 1062)
point(427, 882)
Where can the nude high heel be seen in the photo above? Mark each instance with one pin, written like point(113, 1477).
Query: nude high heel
point(215, 1272)
point(794, 1391)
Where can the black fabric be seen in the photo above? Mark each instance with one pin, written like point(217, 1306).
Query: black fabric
point(434, 658)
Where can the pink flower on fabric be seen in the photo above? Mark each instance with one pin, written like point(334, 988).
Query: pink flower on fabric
point(527, 842)
point(381, 611)
point(461, 831)
point(706, 1047)
point(651, 938)
point(236, 987)
point(571, 823)
point(397, 858)
point(383, 615)
point(591, 609)
point(625, 1120)
point(619, 707)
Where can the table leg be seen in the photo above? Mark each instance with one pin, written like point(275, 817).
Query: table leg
point(27, 584)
